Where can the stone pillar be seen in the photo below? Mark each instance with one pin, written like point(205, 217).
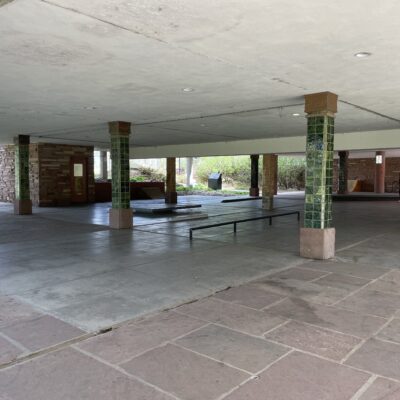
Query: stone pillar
point(343, 169)
point(269, 183)
point(22, 202)
point(380, 172)
point(254, 190)
point(103, 165)
point(171, 196)
point(121, 214)
point(317, 238)
point(189, 167)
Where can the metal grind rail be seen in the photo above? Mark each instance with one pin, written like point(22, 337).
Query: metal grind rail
point(234, 223)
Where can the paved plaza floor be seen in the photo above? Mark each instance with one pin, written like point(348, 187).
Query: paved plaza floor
point(91, 313)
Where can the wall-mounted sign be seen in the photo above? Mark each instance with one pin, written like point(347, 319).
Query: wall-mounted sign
point(378, 159)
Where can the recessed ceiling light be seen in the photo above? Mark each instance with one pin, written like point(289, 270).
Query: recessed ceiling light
point(188, 89)
point(296, 115)
point(362, 54)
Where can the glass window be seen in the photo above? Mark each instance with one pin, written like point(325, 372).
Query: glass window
point(78, 170)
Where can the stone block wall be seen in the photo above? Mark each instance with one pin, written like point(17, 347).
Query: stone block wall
point(364, 169)
point(7, 176)
point(50, 175)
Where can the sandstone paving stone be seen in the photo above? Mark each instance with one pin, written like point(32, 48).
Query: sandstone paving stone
point(250, 296)
point(392, 276)
point(372, 302)
point(382, 389)
point(8, 352)
point(71, 375)
point(232, 316)
point(234, 348)
point(12, 310)
point(308, 291)
point(302, 377)
point(383, 285)
point(185, 374)
point(342, 281)
point(315, 340)
point(379, 357)
point(391, 331)
point(349, 268)
point(41, 332)
point(344, 321)
point(134, 338)
point(296, 273)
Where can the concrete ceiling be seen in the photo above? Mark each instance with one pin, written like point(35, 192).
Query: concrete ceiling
point(69, 66)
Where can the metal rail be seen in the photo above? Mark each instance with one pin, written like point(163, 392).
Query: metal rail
point(242, 220)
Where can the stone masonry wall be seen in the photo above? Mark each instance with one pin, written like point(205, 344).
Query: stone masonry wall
point(364, 169)
point(50, 175)
point(55, 173)
point(7, 177)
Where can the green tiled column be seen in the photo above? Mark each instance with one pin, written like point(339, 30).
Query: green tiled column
point(319, 171)
point(120, 171)
point(317, 237)
point(22, 203)
point(121, 213)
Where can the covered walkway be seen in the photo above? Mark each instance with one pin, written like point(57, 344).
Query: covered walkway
point(284, 322)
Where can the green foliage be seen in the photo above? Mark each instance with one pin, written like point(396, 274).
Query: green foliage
point(139, 178)
point(291, 172)
point(236, 171)
point(147, 174)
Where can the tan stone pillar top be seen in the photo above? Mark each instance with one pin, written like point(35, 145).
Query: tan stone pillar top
point(119, 128)
point(317, 103)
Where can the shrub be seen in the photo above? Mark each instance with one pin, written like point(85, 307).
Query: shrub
point(236, 171)
point(291, 172)
point(147, 174)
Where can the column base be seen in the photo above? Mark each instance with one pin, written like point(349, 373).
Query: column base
point(22, 207)
point(171, 198)
point(318, 244)
point(121, 218)
point(254, 192)
point(268, 203)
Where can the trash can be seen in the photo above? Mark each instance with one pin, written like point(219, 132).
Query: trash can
point(215, 181)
